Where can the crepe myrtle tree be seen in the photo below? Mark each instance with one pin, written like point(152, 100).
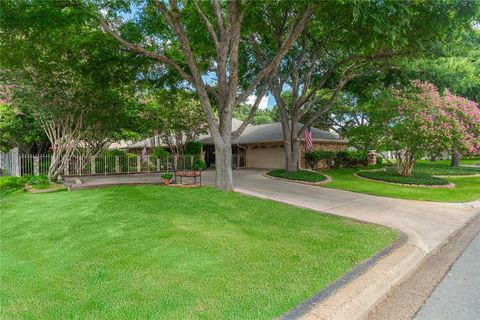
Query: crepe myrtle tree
point(345, 40)
point(201, 42)
point(419, 120)
point(67, 75)
point(461, 126)
point(173, 117)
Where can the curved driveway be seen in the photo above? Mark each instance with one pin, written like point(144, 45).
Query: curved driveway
point(427, 224)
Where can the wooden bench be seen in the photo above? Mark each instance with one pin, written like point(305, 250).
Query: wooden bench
point(188, 174)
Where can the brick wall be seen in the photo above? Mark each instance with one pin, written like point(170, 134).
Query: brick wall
point(322, 146)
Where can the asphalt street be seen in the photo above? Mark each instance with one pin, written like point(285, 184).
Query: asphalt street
point(457, 296)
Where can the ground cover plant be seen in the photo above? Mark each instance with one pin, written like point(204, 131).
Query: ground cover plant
point(390, 175)
point(301, 175)
point(142, 252)
point(466, 188)
point(11, 184)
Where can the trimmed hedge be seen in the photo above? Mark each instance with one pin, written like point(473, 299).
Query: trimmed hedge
point(390, 175)
point(443, 170)
point(301, 175)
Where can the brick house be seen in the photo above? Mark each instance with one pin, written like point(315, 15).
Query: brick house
point(260, 146)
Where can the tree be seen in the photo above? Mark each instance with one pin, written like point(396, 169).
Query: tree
point(200, 40)
point(174, 117)
point(345, 40)
point(18, 129)
point(419, 121)
point(63, 77)
point(262, 116)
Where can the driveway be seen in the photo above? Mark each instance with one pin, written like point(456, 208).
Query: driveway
point(429, 222)
point(427, 225)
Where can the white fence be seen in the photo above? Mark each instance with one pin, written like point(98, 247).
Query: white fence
point(16, 164)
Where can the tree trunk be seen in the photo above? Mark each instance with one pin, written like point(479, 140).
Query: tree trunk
point(456, 156)
point(291, 149)
point(223, 165)
point(405, 163)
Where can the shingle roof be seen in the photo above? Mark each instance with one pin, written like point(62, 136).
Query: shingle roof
point(271, 132)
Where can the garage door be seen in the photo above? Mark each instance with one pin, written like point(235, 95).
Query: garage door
point(265, 158)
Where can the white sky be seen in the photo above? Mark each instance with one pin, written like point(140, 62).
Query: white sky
point(263, 103)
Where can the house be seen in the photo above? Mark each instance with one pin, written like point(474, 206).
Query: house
point(259, 146)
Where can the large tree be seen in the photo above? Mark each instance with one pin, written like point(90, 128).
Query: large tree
point(345, 40)
point(64, 74)
point(201, 42)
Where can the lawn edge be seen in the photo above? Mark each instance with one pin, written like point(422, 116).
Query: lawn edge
point(327, 180)
point(450, 185)
point(308, 305)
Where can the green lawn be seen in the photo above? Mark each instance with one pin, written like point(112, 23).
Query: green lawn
point(150, 252)
point(466, 188)
point(300, 175)
point(444, 169)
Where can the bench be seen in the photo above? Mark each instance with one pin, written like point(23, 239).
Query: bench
point(188, 174)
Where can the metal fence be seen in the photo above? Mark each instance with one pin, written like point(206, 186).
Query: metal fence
point(38, 164)
point(15, 164)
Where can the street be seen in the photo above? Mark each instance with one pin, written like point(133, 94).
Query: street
point(457, 296)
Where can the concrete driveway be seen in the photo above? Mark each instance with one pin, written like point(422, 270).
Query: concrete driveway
point(427, 224)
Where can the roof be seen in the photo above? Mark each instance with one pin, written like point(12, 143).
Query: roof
point(271, 132)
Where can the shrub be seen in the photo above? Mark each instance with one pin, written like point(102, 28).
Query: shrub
point(193, 148)
point(390, 175)
point(160, 153)
point(167, 175)
point(37, 182)
point(199, 165)
point(10, 184)
point(313, 157)
point(351, 158)
point(379, 161)
point(114, 153)
point(301, 175)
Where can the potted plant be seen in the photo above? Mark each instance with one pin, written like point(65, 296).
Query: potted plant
point(167, 176)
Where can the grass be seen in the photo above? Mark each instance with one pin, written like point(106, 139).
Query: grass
point(390, 175)
point(442, 169)
point(466, 188)
point(301, 175)
point(150, 252)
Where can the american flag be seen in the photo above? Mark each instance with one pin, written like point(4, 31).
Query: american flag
point(308, 139)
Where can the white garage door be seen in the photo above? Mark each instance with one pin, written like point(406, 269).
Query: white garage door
point(265, 158)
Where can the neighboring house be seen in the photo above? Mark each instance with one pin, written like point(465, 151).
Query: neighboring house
point(259, 146)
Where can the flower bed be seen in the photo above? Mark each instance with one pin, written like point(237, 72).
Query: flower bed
point(390, 175)
point(299, 175)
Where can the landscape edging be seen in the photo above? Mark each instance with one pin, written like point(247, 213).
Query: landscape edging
point(306, 306)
